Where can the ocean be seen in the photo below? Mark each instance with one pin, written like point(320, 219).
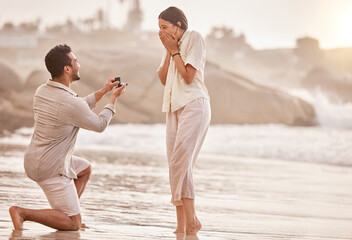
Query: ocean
point(329, 145)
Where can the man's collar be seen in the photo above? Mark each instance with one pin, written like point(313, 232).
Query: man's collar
point(52, 83)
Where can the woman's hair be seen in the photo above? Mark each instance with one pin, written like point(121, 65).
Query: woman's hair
point(174, 15)
point(57, 59)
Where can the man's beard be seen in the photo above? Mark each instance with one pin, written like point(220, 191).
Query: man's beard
point(75, 77)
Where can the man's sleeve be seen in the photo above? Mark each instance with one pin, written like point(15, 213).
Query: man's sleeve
point(84, 117)
point(91, 100)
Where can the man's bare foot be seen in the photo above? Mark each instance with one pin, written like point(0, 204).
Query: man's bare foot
point(193, 230)
point(84, 226)
point(16, 217)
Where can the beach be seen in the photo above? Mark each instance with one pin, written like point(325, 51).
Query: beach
point(128, 197)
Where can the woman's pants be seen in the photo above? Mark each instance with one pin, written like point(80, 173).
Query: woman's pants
point(186, 129)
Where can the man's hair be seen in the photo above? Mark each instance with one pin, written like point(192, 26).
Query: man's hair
point(174, 15)
point(56, 59)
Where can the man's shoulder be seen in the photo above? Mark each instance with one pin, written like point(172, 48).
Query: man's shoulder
point(46, 94)
point(53, 91)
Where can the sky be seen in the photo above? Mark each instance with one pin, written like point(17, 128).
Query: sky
point(265, 23)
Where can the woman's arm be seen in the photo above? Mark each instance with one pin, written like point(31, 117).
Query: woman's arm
point(187, 72)
point(162, 72)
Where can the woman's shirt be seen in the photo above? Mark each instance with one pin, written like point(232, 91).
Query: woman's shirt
point(177, 92)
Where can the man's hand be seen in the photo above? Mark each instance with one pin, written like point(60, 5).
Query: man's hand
point(117, 92)
point(110, 84)
point(107, 88)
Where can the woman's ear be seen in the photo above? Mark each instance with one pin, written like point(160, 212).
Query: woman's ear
point(179, 24)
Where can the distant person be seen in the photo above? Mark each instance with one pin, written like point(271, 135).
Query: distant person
point(186, 103)
point(59, 113)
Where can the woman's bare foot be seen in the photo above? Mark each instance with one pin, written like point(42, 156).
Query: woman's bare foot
point(193, 230)
point(179, 230)
point(16, 217)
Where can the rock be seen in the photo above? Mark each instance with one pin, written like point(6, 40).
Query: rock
point(35, 79)
point(9, 79)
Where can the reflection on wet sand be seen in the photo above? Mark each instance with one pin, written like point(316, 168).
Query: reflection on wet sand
point(181, 236)
point(17, 234)
point(128, 197)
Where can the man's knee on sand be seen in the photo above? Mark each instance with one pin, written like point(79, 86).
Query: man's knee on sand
point(86, 172)
point(76, 222)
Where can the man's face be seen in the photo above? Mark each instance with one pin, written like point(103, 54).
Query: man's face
point(74, 66)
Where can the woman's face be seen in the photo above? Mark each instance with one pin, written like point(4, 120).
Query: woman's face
point(167, 27)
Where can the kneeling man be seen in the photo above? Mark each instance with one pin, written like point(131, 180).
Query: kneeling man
point(59, 113)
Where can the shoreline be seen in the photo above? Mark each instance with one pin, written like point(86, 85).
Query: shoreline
point(236, 198)
point(81, 150)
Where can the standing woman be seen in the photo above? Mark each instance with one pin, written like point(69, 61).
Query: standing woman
point(186, 102)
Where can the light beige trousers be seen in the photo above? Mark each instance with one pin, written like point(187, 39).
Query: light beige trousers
point(186, 129)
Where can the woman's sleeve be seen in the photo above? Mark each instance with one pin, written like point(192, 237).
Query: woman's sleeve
point(195, 51)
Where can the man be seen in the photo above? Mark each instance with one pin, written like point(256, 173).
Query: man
point(59, 113)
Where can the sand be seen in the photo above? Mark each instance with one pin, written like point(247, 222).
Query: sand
point(236, 198)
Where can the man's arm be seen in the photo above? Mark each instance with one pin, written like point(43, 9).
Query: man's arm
point(84, 117)
point(93, 98)
point(109, 85)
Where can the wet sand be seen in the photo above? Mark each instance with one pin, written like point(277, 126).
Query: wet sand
point(236, 198)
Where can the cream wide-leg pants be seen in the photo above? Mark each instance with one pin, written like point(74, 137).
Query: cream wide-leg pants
point(186, 129)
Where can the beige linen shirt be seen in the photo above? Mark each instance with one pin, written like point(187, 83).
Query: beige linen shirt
point(177, 92)
point(58, 115)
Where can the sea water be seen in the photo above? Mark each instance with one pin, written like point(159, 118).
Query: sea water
point(309, 144)
point(238, 184)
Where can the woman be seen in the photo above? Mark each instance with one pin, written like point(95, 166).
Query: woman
point(186, 102)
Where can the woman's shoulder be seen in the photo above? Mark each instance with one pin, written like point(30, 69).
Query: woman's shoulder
point(195, 34)
point(194, 37)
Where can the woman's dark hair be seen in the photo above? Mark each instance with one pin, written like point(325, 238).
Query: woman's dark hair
point(174, 15)
point(57, 59)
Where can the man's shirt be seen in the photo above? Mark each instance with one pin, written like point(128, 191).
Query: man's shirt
point(58, 115)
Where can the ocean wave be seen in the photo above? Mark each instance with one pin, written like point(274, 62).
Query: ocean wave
point(308, 144)
point(328, 114)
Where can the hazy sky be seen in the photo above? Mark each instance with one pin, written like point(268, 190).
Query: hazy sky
point(265, 23)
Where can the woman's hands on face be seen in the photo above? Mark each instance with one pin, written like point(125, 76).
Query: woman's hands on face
point(169, 41)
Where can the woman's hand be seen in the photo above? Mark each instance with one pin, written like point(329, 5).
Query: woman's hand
point(169, 42)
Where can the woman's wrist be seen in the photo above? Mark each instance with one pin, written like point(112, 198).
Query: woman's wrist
point(175, 54)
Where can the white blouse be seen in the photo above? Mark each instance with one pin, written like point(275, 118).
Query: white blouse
point(177, 92)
